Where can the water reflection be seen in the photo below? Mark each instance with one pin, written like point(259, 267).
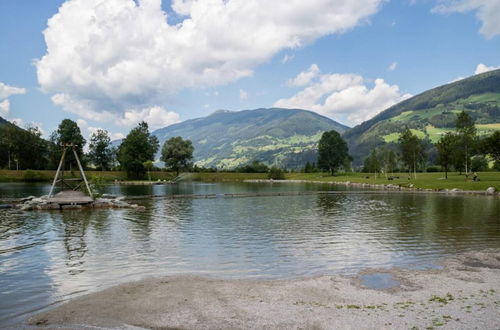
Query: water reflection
point(53, 256)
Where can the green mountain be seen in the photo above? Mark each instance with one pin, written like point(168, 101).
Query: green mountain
point(285, 137)
point(431, 114)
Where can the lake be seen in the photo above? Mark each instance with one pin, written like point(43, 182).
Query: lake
point(50, 257)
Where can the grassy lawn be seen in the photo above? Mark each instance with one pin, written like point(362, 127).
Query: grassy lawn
point(424, 180)
point(21, 176)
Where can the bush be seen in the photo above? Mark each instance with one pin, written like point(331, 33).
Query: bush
point(276, 173)
point(34, 176)
point(96, 185)
point(253, 167)
point(434, 168)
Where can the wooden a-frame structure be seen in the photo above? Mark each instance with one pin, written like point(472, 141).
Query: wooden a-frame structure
point(65, 183)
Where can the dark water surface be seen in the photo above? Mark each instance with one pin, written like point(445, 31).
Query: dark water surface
point(49, 257)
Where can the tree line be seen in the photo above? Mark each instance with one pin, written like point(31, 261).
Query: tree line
point(461, 150)
point(25, 149)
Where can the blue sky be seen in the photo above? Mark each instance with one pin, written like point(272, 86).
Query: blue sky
point(111, 63)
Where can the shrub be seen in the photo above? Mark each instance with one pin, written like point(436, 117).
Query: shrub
point(434, 168)
point(276, 173)
point(96, 185)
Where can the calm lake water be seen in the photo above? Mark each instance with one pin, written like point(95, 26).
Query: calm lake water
point(49, 257)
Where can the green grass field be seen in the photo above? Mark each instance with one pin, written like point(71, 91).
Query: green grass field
point(424, 180)
point(28, 175)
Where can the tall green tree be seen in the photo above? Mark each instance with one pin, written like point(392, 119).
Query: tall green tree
point(491, 146)
point(101, 153)
point(67, 132)
point(22, 148)
point(138, 147)
point(446, 147)
point(372, 163)
point(177, 153)
point(412, 151)
point(466, 131)
point(332, 151)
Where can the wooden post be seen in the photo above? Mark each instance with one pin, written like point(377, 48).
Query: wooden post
point(57, 173)
point(81, 172)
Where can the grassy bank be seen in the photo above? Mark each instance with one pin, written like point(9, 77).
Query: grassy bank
point(423, 180)
point(47, 176)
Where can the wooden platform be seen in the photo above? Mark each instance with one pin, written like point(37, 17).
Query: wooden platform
point(70, 197)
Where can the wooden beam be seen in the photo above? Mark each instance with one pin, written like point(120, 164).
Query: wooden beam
point(82, 173)
point(57, 173)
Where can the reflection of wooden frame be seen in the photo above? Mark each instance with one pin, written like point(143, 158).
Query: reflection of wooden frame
point(60, 171)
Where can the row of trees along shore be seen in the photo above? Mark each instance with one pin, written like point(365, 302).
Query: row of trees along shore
point(25, 149)
point(462, 150)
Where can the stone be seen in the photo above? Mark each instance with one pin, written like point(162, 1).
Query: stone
point(26, 199)
point(109, 196)
point(490, 190)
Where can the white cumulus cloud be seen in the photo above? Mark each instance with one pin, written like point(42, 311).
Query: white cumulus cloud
point(487, 11)
point(106, 57)
point(482, 68)
point(7, 91)
point(305, 77)
point(347, 95)
point(4, 108)
point(156, 117)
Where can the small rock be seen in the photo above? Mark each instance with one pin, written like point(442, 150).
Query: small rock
point(108, 196)
point(411, 185)
point(490, 190)
point(26, 199)
point(26, 207)
point(455, 190)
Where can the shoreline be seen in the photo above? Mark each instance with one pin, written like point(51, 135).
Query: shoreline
point(385, 187)
point(463, 294)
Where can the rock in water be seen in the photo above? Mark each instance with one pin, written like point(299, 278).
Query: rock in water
point(490, 190)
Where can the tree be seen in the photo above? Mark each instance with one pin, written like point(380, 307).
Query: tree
point(412, 150)
point(332, 151)
point(67, 132)
point(372, 163)
point(446, 147)
point(23, 148)
point(177, 153)
point(466, 132)
point(100, 149)
point(138, 147)
point(491, 146)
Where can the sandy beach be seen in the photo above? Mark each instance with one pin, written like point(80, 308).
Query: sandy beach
point(464, 293)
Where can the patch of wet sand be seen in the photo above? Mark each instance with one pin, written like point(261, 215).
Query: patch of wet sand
point(463, 294)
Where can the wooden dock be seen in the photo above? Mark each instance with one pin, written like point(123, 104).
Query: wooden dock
point(70, 197)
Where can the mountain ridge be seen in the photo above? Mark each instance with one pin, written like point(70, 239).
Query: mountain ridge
point(431, 113)
point(284, 137)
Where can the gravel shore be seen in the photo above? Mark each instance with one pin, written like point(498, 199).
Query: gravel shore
point(464, 293)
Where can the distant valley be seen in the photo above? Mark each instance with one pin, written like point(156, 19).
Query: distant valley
point(227, 139)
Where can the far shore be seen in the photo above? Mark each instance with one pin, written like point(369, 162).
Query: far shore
point(463, 293)
point(434, 181)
